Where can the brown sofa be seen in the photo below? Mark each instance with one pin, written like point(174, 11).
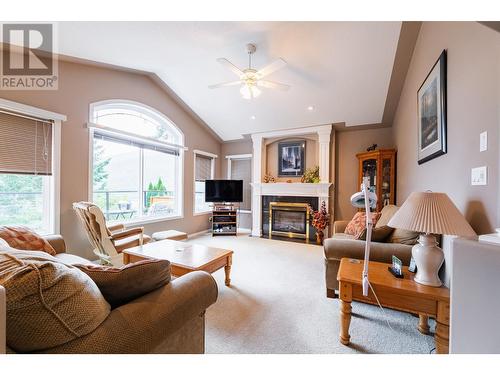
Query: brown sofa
point(342, 245)
point(170, 319)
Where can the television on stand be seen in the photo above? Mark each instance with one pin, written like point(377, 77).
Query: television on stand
point(223, 194)
point(224, 191)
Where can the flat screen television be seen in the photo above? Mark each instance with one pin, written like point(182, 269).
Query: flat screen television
point(219, 191)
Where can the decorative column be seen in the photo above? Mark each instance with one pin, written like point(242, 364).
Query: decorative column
point(256, 185)
point(324, 153)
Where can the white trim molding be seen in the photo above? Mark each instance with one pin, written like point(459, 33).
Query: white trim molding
point(320, 190)
point(230, 158)
point(205, 153)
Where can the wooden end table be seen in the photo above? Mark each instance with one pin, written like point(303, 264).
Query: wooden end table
point(398, 294)
point(184, 257)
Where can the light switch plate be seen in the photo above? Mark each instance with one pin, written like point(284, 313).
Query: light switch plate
point(479, 176)
point(483, 141)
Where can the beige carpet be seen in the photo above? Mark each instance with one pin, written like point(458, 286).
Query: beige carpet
point(277, 304)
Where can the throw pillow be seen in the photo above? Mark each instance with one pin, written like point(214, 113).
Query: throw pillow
point(121, 285)
point(48, 302)
point(358, 223)
point(404, 236)
point(23, 238)
point(386, 214)
point(379, 234)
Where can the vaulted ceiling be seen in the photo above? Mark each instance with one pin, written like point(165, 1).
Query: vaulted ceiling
point(341, 69)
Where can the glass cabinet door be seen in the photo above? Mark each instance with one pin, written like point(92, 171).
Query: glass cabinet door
point(370, 170)
point(386, 182)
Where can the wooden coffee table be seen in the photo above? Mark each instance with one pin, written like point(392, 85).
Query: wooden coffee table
point(398, 294)
point(184, 257)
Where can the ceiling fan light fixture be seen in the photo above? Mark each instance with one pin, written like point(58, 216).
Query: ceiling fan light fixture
point(249, 91)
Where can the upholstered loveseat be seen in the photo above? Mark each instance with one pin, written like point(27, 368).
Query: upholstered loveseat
point(341, 245)
point(170, 319)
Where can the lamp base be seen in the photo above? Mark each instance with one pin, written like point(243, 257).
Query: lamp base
point(429, 257)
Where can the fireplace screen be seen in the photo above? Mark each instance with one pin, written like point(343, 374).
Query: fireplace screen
point(289, 219)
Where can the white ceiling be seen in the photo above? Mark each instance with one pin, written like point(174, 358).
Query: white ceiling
point(341, 68)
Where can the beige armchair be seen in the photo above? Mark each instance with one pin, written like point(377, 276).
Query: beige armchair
point(108, 241)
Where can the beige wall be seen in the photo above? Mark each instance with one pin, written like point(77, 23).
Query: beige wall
point(348, 144)
point(311, 155)
point(473, 107)
point(80, 85)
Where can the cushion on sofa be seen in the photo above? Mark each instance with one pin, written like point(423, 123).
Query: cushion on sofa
point(379, 234)
point(386, 214)
point(358, 223)
point(48, 302)
point(403, 236)
point(23, 238)
point(123, 284)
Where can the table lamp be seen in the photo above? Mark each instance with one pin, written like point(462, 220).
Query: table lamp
point(427, 213)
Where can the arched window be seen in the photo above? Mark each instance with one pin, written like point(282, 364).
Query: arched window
point(137, 155)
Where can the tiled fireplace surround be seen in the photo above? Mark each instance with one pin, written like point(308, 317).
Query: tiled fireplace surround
point(262, 193)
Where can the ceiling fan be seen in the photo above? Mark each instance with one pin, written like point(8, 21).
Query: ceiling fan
point(251, 79)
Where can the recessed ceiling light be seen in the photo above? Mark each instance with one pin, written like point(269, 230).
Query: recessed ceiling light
point(253, 117)
point(310, 108)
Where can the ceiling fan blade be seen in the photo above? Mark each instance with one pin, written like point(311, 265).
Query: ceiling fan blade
point(273, 85)
point(271, 68)
point(230, 66)
point(225, 84)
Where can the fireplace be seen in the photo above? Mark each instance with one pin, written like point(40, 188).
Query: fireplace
point(289, 220)
point(286, 217)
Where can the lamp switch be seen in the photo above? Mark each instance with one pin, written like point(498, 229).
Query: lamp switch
point(479, 176)
point(483, 141)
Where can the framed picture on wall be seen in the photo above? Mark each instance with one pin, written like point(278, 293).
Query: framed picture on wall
point(431, 109)
point(291, 158)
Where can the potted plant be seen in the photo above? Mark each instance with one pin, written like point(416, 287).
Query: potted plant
point(320, 221)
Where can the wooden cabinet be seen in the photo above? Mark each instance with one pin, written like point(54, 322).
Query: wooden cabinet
point(380, 167)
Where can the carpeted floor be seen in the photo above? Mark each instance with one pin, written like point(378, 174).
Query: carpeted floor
point(277, 304)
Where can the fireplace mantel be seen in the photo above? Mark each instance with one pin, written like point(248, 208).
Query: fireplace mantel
point(320, 190)
point(259, 189)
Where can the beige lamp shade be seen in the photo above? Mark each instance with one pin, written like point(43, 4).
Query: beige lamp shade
point(429, 212)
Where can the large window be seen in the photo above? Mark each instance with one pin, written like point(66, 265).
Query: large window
point(204, 169)
point(29, 163)
point(136, 162)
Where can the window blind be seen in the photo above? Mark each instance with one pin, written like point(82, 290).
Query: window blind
point(136, 143)
point(25, 145)
point(203, 167)
point(241, 170)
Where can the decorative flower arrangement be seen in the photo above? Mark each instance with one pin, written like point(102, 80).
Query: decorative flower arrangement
point(320, 221)
point(311, 175)
point(269, 178)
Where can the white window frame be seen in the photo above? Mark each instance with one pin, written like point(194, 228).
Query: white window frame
point(230, 158)
point(92, 126)
point(55, 181)
point(213, 157)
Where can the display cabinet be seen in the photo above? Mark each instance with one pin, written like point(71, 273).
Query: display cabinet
point(380, 167)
